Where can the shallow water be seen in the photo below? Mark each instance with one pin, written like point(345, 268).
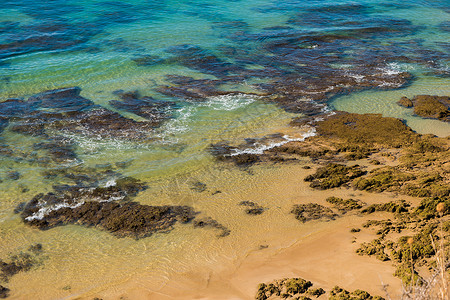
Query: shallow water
point(224, 71)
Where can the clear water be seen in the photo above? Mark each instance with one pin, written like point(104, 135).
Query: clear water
point(96, 45)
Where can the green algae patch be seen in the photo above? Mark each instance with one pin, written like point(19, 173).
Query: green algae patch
point(427, 106)
point(312, 211)
point(338, 293)
point(383, 179)
point(398, 206)
point(344, 205)
point(333, 175)
point(284, 288)
point(427, 207)
point(375, 248)
point(366, 130)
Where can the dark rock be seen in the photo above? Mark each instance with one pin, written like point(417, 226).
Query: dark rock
point(60, 149)
point(209, 222)
point(36, 248)
point(344, 205)
point(435, 107)
point(405, 102)
point(121, 219)
point(108, 208)
point(21, 262)
point(312, 211)
point(4, 292)
point(252, 208)
point(224, 152)
point(193, 89)
point(333, 175)
point(13, 175)
point(14, 107)
point(147, 60)
point(63, 100)
point(153, 110)
point(195, 57)
point(198, 186)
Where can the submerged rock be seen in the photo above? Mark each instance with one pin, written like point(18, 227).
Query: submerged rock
point(20, 262)
point(209, 222)
point(312, 211)
point(121, 219)
point(108, 208)
point(252, 208)
point(434, 107)
point(64, 111)
point(4, 292)
point(153, 110)
point(64, 100)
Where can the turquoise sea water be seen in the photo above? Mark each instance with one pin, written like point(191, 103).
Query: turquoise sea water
point(182, 75)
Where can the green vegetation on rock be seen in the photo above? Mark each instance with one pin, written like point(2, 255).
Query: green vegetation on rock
point(344, 205)
point(338, 293)
point(333, 175)
point(312, 211)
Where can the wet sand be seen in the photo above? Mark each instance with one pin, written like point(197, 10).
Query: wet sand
point(319, 251)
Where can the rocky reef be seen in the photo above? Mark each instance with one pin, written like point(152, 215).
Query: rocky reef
point(108, 207)
point(312, 211)
point(298, 288)
point(427, 106)
point(59, 111)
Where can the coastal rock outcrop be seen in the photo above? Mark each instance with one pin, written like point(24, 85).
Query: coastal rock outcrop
point(427, 106)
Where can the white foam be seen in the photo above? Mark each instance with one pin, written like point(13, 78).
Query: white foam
point(229, 102)
point(111, 182)
point(260, 148)
point(45, 210)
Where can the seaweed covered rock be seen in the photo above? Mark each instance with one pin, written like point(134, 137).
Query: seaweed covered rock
point(21, 262)
point(398, 206)
point(427, 209)
point(312, 211)
point(366, 130)
point(385, 226)
point(285, 288)
point(375, 247)
point(383, 179)
point(333, 175)
point(121, 219)
point(106, 207)
point(224, 152)
point(64, 100)
point(405, 102)
point(154, 110)
point(427, 106)
point(344, 205)
point(338, 293)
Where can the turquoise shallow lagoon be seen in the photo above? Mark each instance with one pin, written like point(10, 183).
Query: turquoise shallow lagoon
point(94, 91)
